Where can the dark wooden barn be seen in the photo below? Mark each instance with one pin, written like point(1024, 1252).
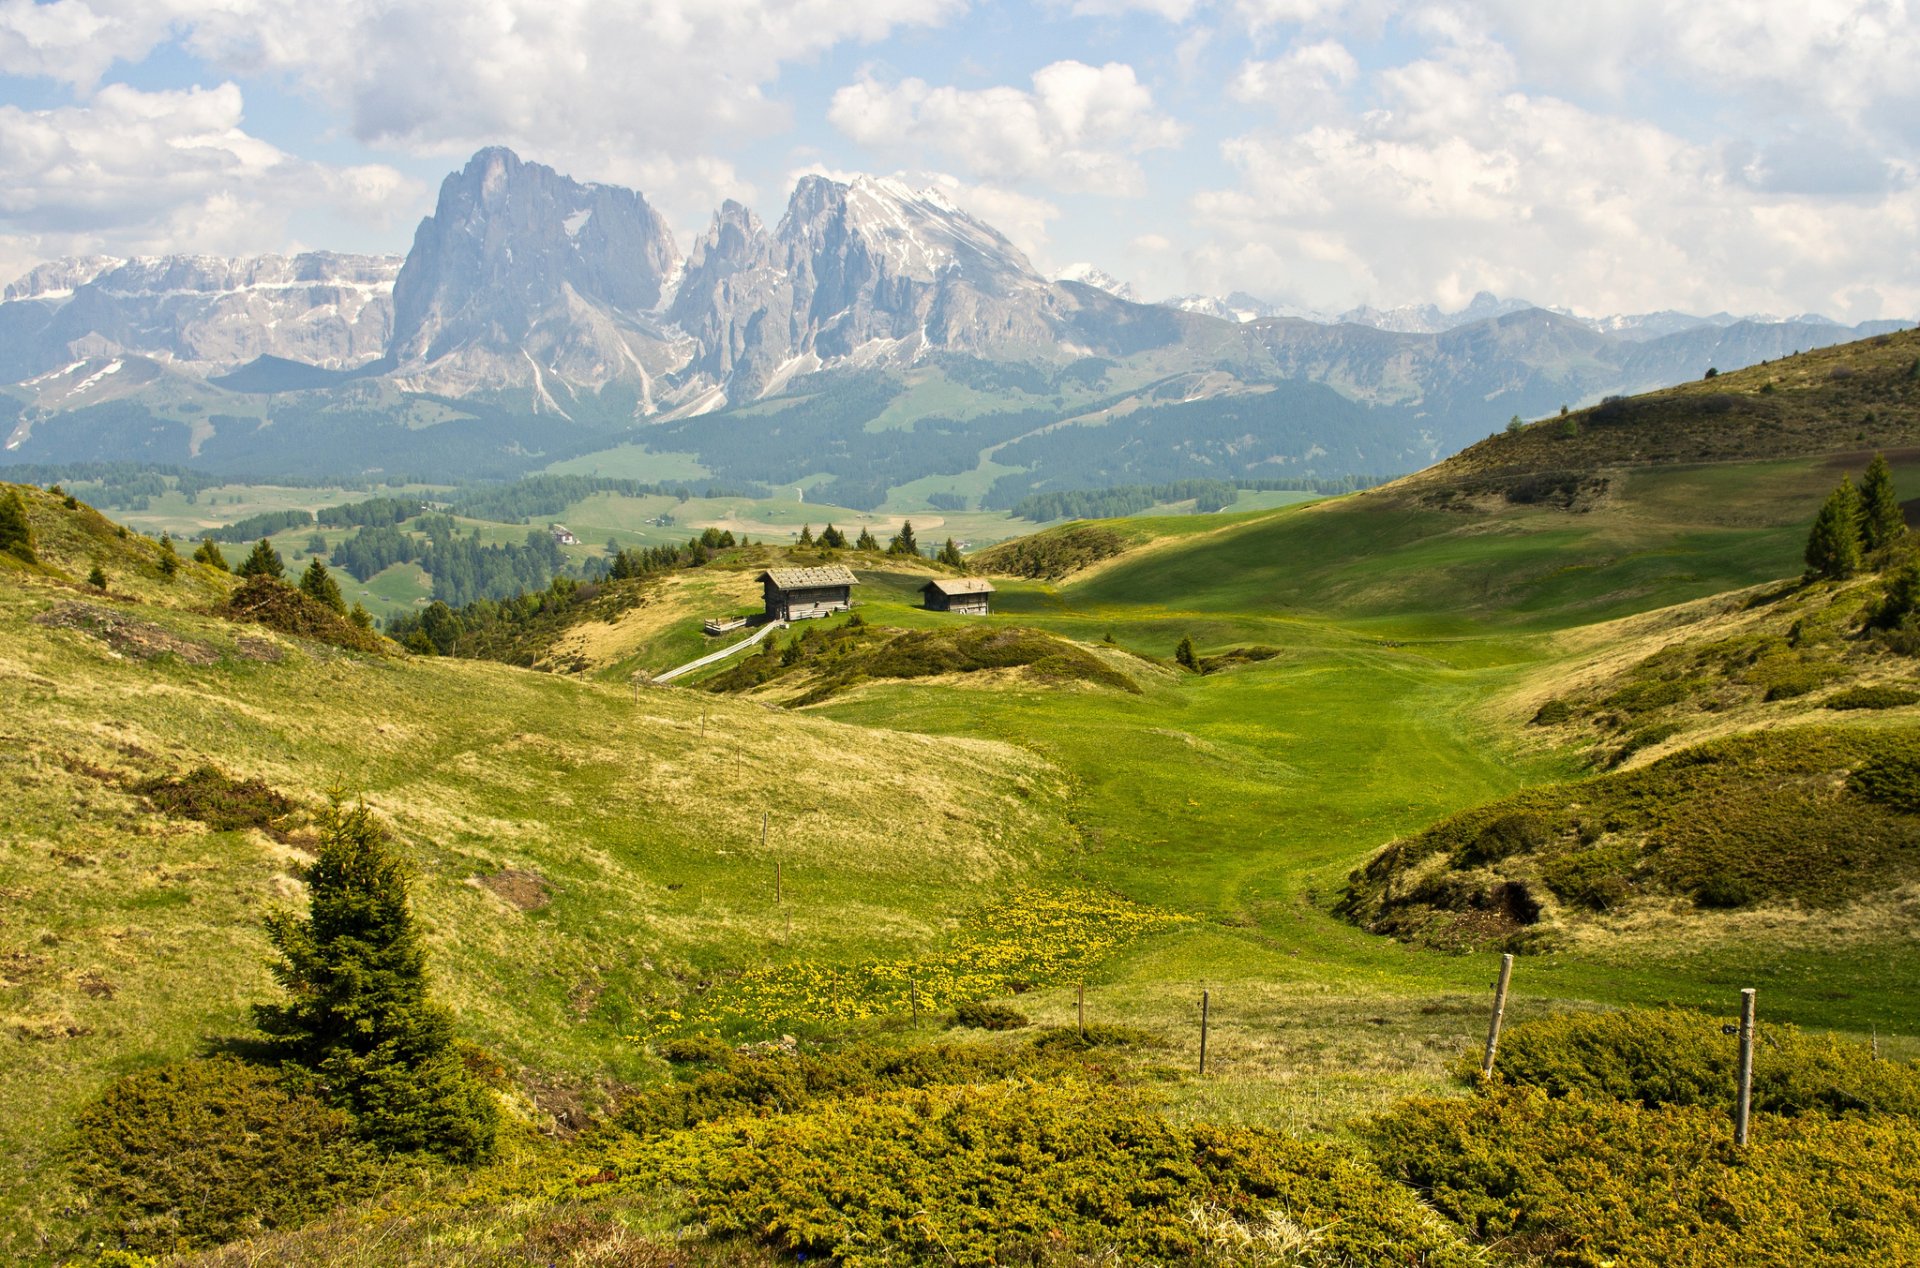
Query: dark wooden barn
point(795, 594)
point(970, 595)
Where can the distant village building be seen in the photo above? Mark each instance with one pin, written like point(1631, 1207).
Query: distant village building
point(795, 594)
point(969, 595)
point(563, 535)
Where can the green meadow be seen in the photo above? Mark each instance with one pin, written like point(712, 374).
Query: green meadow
point(603, 867)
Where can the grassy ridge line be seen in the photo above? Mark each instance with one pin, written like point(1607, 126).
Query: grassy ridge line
point(579, 856)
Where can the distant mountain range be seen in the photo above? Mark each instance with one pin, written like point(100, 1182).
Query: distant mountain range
point(876, 338)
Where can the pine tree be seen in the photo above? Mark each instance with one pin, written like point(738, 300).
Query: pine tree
point(97, 578)
point(263, 562)
point(361, 618)
point(806, 534)
point(866, 541)
point(317, 583)
point(357, 1019)
point(1833, 547)
point(903, 542)
point(832, 538)
point(16, 535)
point(210, 554)
point(950, 555)
point(1881, 520)
point(169, 557)
point(1185, 655)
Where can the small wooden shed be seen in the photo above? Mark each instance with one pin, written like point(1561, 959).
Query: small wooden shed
point(970, 595)
point(795, 594)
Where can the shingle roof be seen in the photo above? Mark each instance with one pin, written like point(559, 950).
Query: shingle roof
point(809, 578)
point(952, 586)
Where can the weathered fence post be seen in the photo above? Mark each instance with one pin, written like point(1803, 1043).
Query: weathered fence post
point(1743, 1107)
point(1080, 1002)
point(913, 999)
point(1499, 1012)
point(1203, 1032)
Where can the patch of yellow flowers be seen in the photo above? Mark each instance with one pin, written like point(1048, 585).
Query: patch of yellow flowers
point(1030, 937)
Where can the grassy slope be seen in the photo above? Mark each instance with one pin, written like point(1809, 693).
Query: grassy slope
point(1240, 798)
point(129, 936)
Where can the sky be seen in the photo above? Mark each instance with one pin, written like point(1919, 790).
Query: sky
point(1753, 156)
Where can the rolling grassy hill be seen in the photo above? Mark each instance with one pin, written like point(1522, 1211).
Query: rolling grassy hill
point(589, 863)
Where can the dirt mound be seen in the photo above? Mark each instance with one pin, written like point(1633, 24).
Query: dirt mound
point(141, 640)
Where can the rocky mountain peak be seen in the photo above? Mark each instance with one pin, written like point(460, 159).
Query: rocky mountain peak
point(510, 242)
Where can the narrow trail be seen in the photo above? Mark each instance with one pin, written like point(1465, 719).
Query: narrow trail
point(722, 654)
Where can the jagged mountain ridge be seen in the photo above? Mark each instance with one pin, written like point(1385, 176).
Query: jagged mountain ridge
point(567, 307)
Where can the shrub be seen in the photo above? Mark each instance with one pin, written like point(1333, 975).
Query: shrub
point(983, 1015)
point(204, 1151)
point(1890, 778)
point(1033, 1174)
point(1506, 836)
point(1095, 1035)
point(1671, 1056)
point(216, 799)
point(1579, 1182)
point(16, 535)
point(1552, 713)
point(267, 602)
point(1875, 697)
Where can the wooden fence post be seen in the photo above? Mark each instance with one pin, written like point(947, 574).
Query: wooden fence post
point(1080, 1002)
point(1203, 1032)
point(777, 878)
point(913, 998)
point(1499, 1012)
point(1743, 1107)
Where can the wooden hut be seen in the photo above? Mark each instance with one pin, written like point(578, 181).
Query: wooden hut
point(794, 594)
point(969, 595)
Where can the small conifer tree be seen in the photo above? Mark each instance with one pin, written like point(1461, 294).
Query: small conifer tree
point(950, 555)
point(210, 554)
point(357, 1019)
point(1185, 654)
point(361, 618)
point(832, 538)
point(806, 534)
point(16, 535)
point(1881, 520)
point(169, 557)
point(903, 542)
point(866, 540)
point(97, 578)
point(1833, 547)
point(263, 562)
point(317, 583)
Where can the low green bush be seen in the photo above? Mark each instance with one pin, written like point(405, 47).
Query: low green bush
point(201, 1152)
point(1096, 1035)
point(716, 1082)
point(1573, 1182)
point(983, 1015)
point(1552, 713)
point(1022, 1173)
point(1877, 697)
point(1670, 1056)
point(216, 799)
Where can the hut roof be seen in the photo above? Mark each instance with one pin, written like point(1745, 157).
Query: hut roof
point(809, 578)
point(953, 587)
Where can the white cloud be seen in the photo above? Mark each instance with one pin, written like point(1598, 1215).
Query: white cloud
point(134, 172)
point(1462, 181)
point(1078, 129)
point(1306, 81)
point(634, 93)
point(1171, 10)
